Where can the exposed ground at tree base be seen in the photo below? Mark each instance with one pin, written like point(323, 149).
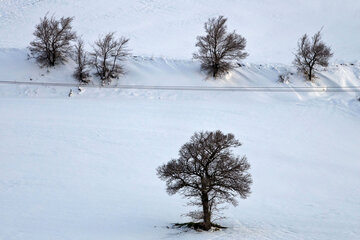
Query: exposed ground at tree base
point(198, 226)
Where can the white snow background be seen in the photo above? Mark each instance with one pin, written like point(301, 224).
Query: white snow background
point(84, 167)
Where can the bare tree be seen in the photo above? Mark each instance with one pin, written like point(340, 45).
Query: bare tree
point(81, 59)
point(208, 173)
point(312, 54)
point(53, 37)
point(218, 49)
point(107, 53)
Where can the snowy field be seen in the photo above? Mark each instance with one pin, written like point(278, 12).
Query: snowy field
point(83, 168)
point(167, 28)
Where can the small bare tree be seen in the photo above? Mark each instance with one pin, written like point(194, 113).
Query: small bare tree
point(81, 59)
point(312, 54)
point(208, 173)
point(218, 49)
point(53, 37)
point(107, 55)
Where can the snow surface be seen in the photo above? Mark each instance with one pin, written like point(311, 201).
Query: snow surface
point(168, 28)
point(84, 167)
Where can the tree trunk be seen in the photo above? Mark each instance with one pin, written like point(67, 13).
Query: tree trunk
point(49, 57)
point(206, 211)
point(216, 70)
point(310, 74)
point(53, 55)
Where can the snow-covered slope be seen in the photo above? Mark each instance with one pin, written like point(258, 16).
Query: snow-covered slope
point(338, 85)
point(169, 28)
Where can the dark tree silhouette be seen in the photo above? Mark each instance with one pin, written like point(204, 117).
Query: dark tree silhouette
point(312, 54)
point(107, 53)
point(219, 49)
point(208, 173)
point(81, 59)
point(52, 44)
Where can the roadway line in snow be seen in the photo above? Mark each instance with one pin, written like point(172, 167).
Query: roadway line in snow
point(195, 88)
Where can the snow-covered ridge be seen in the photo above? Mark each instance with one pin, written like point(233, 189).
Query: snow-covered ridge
point(150, 71)
point(169, 27)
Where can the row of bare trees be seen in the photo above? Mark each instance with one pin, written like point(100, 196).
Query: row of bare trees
point(218, 50)
point(56, 42)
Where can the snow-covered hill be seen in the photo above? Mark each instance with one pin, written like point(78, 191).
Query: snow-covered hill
point(150, 71)
point(168, 28)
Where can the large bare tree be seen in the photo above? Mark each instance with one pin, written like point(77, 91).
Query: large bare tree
point(208, 173)
point(217, 50)
point(53, 37)
point(81, 59)
point(311, 54)
point(107, 54)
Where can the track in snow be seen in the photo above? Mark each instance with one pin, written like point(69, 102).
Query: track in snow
point(195, 88)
